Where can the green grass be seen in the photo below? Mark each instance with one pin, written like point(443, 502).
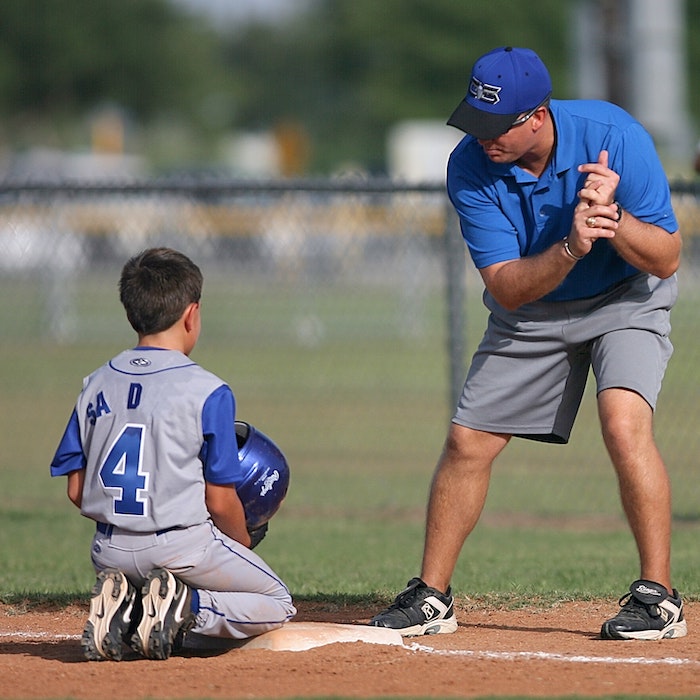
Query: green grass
point(360, 410)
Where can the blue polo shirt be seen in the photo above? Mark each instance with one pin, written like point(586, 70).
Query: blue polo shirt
point(507, 213)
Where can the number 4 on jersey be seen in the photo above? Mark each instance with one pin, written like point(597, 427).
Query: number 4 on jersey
point(122, 472)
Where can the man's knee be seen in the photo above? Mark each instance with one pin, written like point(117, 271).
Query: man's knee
point(626, 420)
point(465, 445)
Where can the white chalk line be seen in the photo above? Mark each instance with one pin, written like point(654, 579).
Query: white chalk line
point(32, 636)
point(481, 654)
point(548, 656)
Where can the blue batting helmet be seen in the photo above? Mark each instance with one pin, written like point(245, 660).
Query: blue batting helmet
point(266, 479)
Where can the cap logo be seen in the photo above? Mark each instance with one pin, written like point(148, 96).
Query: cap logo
point(484, 92)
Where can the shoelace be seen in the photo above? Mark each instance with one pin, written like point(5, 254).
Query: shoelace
point(407, 597)
point(632, 606)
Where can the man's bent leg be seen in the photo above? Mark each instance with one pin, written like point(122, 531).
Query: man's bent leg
point(457, 496)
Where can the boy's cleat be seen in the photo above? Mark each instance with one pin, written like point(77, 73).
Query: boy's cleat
point(647, 612)
point(418, 610)
point(166, 616)
point(109, 620)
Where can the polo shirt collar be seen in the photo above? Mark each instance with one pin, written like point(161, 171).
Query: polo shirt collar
point(564, 150)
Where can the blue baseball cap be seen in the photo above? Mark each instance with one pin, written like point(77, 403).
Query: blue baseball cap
point(505, 83)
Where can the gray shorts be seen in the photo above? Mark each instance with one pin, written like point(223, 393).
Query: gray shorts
point(528, 375)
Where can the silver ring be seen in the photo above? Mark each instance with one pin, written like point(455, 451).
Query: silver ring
point(591, 222)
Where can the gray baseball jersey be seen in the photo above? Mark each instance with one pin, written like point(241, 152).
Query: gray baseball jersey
point(149, 428)
point(142, 433)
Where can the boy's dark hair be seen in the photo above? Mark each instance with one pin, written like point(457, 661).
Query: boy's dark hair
point(155, 288)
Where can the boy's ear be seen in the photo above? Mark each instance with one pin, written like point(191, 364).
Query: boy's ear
point(188, 315)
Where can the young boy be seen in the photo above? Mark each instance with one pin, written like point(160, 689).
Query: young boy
point(150, 454)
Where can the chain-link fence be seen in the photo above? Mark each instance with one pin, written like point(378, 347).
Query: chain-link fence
point(342, 313)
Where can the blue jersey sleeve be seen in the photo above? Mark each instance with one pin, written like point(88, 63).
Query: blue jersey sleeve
point(643, 190)
point(69, 456)
point(220, 449)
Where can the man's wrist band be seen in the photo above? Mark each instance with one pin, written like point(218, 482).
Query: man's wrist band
point(619, 211)
point(568, 251)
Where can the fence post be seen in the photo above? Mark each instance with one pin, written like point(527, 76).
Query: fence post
point(456, 296)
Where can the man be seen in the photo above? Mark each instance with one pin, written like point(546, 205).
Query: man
point(566, 212)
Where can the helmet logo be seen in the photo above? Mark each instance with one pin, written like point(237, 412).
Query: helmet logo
point(269, 482)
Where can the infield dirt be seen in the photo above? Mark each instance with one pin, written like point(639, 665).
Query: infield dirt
point(535, 652)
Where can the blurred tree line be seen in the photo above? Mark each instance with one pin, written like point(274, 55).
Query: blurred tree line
point(338, 75)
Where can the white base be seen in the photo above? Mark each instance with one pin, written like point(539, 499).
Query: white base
point(299, 636)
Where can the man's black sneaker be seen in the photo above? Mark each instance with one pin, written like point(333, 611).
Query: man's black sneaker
point(166, 615)
point(647, 612)
point(417, 610)
point(110, 619)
